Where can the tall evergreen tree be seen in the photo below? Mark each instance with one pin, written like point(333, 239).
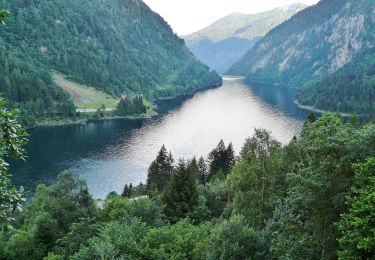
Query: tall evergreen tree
point(181, 194)
point(160, 171)
point(128, 191)
point(203, 170)
point(193, 167)
point(221, 159)
point(230, 158)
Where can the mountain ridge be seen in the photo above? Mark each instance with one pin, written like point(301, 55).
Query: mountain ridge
point(223, 42)
point(120, 47)
point(314, 46)
point(244, 19)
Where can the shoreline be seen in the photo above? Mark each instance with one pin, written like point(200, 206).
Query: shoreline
point(84, 121)
point(305, 107)
point(320, 111)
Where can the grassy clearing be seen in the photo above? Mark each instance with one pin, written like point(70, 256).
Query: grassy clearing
point(83, 96)
point(88, 100)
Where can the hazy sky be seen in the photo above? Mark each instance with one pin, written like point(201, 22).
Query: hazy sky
point(187, 16)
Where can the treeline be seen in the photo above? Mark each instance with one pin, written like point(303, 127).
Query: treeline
point(120, 47)
point(353, 87)
point(131, 106)
point(310, 199)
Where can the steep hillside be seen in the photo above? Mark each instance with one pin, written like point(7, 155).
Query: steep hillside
point(327, 50)
point(116, 46)
point(225, 41)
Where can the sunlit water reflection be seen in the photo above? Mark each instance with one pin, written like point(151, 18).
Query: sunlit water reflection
point(109, 154)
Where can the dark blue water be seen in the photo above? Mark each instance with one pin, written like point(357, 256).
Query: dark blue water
point(109, 154)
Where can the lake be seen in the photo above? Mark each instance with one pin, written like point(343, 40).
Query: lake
point(111, 153)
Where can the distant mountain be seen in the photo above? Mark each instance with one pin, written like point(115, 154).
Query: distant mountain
point(228, 39)
point(327, 51)
point(120, 47)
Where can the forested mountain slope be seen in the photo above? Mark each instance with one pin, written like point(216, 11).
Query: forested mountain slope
point(225, 41)
point(117, 46)
point(327, 50)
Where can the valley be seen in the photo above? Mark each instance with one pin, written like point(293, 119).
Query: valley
point(120, 140)
point(110, 153)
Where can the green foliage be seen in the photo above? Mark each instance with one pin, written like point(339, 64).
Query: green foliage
point(135, 241)
point(131, 107)
point(357, 227)
point(203, 170)
point(119, 47)
point(20, 246)
point(257, 181)
point(4, 14)
point(160, 171)
point(179, 241)
point(200, 213)
point(304, 222)
point(352, 86)
point(77, 237)
point(12, 140)
point(180, 196)
point(128, 191)
point(215, 193)
point(115, 240)
point(221, 159)
point(142, 208)
point(304, 200)
point(234, 239)
point(49, 216)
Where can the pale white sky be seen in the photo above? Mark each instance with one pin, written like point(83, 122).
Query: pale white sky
point(187, 16)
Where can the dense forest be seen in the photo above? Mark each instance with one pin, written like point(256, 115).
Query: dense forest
point(353, 87)
point(326, 51)
point(310, 199)
point(313, 198)
point(131, 107)
point(119, 46)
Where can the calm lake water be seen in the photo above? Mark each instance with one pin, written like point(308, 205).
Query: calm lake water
point(109, 154)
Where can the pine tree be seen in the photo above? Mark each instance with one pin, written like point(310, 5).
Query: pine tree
point(128, 191)
point(221, 159)
point(203, 170)
point(193, 167)
point(160, 171)
point(230, 159)
point(181, 195)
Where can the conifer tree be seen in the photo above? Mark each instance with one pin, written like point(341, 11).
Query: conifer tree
point(193, 167)
point(203, 170)
point(181, 195)
point(230, 159)
point(221, 158)
point(160, 171)
point(128, 191)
